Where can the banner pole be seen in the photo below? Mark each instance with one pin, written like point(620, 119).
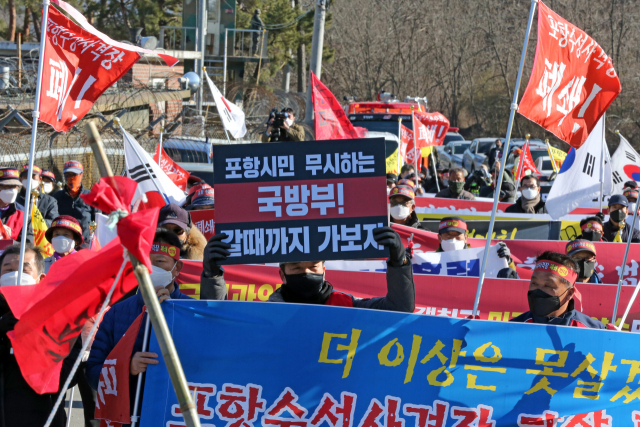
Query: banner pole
point(34, 134)
point(399, 145)
point(435, 170)
point(496, 196)
point(604, 121)
point(626, 312)
point(415, 149)
point(160, 146)
point(553, 160)
point(621, 275)
point(145, 347)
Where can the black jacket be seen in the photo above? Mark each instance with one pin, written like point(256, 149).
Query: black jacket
point(609, 233)
point(431, 187)
point(571, 317)
point(414, 221)
point(447, 194)
point(20, 405)
point(540, 208)
point(77, 208)
point(47, 205)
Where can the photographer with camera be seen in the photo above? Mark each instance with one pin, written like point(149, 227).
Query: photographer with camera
point(477, 180)
point(281, 127)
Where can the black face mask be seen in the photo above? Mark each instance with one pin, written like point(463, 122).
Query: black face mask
point(617, 216)
point(593, 236)
point(305, 285)
point(586, 268)
point(541, 303)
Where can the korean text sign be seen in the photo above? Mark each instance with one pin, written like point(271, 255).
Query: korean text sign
point(279, 366)
point(297, 201)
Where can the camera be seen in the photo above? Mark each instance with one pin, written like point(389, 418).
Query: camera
point(278, 118)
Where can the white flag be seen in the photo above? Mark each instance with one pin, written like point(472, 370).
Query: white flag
point(231, 115)
point(625, 164)
point(579, 178)
point(133, 153)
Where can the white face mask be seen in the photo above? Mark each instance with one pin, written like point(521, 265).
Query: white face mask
point(11, 279)
point(289, 122)
point(400, 211)
point(62, 244)
point(530, 193)
point(452, 245)
point(161, 278)
point(47, 187)
point(34, 183)
point(632, 207)
point(9, 196)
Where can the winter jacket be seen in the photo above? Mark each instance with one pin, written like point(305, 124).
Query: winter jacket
point(47, 205)
point(609, 233)
point(114, 325)
point(447, 194)
point(77, 208)
point(432, 188)
point(295, 133)
point(193, 249)
point(540, 208)
point(20, 406)
point(414, 222)
point(13, 218)
point(401, 293)
point(571, 317)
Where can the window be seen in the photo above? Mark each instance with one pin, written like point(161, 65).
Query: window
point(460, 148)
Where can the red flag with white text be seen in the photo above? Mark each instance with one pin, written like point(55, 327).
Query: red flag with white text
point(423, 136)
point(175, 173)
point(572, 83)
point(330, 120)
point(406, 139)
point(410, 152)
point(526, 166)
point(436, 123)
point(79, 65)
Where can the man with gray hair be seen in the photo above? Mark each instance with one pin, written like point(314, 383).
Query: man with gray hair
point(456, 186)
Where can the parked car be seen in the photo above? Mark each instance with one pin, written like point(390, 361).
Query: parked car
point(477, 153)
point(451, 153)
point(543, 164)
point(452, 135)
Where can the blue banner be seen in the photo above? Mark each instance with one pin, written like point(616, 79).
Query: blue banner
point(290, 365)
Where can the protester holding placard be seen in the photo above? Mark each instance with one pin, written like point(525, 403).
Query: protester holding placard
point(551, 293)
point(583, 253)
point(403, 207)
point(530, 202)
point(456, 186)
point(592, 229)
point(614, 230)
point(178, 221)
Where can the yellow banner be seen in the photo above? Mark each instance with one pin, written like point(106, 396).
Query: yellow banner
point(392, 163)
point(39, 229)
point(557, 155)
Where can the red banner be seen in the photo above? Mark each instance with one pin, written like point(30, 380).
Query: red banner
point(573, 81)
point(331, 122)
point(422, 136)
point(204, 221)
point(173, 170)
point(502, 299)
point(77, 68)
point(471, 206)
point(436, 123)
point(526, 165)
point(406, 139)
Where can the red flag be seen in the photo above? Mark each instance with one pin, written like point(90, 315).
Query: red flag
point(436, 123)
point(572, 83)
point(52, 313)
point(406, 139)
point(410, 151)
point(112, 400)
point(330, 120)
point(526, 166)
point(422, 136)
point(175, 173)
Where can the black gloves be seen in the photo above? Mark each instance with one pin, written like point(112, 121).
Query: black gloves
point(215, 251)
point(504, 252)
point(386, 236)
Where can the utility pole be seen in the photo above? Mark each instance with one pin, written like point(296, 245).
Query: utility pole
point(316, 54)
point(202, 34)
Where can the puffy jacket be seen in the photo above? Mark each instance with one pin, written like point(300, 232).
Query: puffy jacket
point(571, 317)
point(47, 205)
point(115, 323)
point(609, 233)
point(540, 208)
point(77, 208)
point(13, 218)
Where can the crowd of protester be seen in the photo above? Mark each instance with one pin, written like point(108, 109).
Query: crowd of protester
point(68, 217)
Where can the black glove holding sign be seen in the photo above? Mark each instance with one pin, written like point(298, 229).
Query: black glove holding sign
point(215, 251)
point(386, 236)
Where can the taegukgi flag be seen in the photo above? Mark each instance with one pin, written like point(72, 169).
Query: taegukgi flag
point(231, 115)
point(625, 165)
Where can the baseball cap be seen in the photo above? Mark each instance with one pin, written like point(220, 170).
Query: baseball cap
point(407, 183)
point(36, 169)
point(402, 191)
point(452, 223)
point(631, 184)
point(48, 174)
point(68, 222)
point(73, 167)
point(618, 199)
point(9, 176)
point(174, 214)
point(392, 177)
point(579, 245)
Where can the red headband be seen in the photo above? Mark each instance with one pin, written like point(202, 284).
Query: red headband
point(165, 249)
point(557, 269)
point(452, 223)
point(591, 224)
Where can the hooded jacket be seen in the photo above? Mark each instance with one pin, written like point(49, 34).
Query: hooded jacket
point(193, 249)
point(571, 317)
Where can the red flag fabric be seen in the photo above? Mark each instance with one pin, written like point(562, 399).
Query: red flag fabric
point(136, 231)
point(77, 68)
point(52, 313)
point(436, 123)
point(411, 153)
point(330, 120)
point(406, 139)
point(526, 166)
point(422, 135)
point(572, 83)
point(112, 400)
point(175, 173)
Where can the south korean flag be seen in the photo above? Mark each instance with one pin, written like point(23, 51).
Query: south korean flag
point(155, 178)
point(625, 164)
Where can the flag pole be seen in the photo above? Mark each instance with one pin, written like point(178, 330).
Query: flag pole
point(621, 275)
point(553, 160)
point(496, 196)
point(34, 134)
point(604, 121)
point(435, 170)
point(145, 347)
point(415, 149)
point(399, 144)
point(160, 146)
